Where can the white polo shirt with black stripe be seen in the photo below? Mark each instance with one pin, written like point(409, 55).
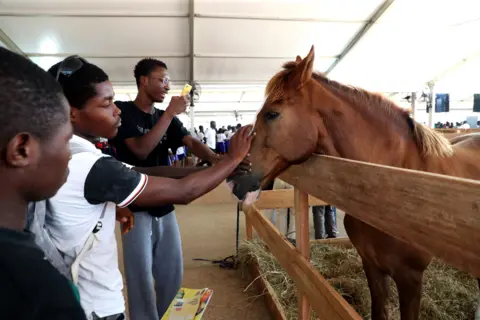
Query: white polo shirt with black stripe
point(94, 179)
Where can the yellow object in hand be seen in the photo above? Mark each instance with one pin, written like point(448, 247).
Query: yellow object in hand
point(186, 90)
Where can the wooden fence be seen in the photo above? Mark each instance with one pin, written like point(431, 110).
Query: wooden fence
point(450, 133)
point(439, 214)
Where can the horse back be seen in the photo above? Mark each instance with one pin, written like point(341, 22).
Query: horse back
point(466, 161)
point(471, 140)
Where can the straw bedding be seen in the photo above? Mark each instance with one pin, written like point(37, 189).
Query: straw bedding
point(448, 294)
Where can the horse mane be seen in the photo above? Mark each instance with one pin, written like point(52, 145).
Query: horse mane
point(428, 141)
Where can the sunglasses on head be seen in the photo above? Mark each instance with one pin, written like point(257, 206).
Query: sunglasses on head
point(70, 65)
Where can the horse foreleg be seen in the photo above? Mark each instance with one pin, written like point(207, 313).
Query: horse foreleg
point(379, 291)
point(409, 285)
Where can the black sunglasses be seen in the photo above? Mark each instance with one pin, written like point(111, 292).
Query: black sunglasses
point(70, 65)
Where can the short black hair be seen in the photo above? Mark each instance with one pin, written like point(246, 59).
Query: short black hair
point(30, 99)
point(145, 66)
point(79, 87)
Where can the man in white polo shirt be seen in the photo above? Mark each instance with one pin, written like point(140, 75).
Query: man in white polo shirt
point(95, 185)
point(211, 136)
point(98, 183)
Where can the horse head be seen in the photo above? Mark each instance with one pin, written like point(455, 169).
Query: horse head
point(286, 128)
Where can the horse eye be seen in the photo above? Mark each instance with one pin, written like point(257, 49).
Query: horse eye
point(269, 116)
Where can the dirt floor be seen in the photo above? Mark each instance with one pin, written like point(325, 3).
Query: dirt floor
point(208, 232)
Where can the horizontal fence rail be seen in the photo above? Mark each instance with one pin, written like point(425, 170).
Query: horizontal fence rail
point(282, 198)
point(436, 213)
point(458, 130)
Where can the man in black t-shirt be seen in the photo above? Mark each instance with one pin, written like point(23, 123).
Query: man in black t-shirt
point(153, 245)
point(34, 134)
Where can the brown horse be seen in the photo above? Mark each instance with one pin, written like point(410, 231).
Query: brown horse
point(306, 113)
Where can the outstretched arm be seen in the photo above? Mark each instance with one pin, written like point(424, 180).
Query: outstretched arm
point(168, 172)
point(160, 191)
point(110, 180)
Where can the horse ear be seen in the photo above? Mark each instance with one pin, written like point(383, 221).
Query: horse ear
point(303, 70)
point(298, 60)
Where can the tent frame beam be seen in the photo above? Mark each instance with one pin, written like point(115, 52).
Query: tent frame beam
point(259, 18)
point(169, 55)
point(191, 25)
point(170, 15)
point(11, 45)
point(361, 33)
point(89, 15)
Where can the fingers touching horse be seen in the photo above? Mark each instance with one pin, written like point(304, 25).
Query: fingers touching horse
point(307, 113)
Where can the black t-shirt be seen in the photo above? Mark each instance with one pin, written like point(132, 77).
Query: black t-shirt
point(30, 287)
point(136, 123)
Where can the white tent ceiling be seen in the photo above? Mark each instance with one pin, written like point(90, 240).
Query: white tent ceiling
point(232, 47)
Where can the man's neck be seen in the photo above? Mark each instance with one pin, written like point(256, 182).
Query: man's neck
point(144, 103)
point(86, 137)
point(13, 211)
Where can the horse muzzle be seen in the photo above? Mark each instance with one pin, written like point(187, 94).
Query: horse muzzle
point(245, 187)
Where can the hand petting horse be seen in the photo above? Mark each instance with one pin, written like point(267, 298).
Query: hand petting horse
point(306, 113)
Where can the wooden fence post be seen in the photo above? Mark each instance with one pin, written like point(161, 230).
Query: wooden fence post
point(303, 243)
point(249, 227)
point(248, 224)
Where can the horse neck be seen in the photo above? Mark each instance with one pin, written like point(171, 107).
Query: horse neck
point(370, 134)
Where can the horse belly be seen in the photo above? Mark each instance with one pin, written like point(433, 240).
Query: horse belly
point(387, 253)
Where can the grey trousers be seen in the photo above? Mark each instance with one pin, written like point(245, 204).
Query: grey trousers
point(152, 254)
point(324, 222)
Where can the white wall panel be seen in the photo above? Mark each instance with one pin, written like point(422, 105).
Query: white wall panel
point(142, 7)
point(338, 10)
point(270, 38)
point(98, 36)
point(244, 70)
point(410, 47)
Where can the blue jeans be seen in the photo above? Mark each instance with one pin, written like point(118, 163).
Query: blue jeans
point(152, 250)
point(325, 221)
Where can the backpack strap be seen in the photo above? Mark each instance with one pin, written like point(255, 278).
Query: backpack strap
point(92, 240)
point(89, 243)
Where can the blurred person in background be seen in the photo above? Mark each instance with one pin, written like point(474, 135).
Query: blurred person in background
point(201, 134)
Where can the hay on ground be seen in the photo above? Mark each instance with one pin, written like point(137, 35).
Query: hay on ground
point(448, 294)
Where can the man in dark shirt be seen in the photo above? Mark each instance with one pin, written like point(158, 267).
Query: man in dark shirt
point(153, 245)
point(34, 134)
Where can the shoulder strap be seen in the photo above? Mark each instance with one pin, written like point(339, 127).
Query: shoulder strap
point(76, 148)
point(36, 225)
point(89, 243)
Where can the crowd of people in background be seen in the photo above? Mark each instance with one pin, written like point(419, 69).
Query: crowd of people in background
point(217, 140)
point(214, 137)
point(456, 125)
